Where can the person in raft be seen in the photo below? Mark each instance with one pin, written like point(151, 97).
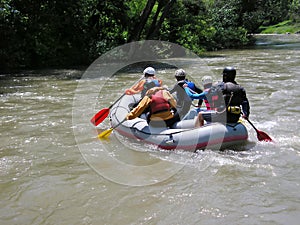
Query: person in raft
point(183, 101)
point(228, 99)
point(146, 83)
point(207, 83)
point(161, 104)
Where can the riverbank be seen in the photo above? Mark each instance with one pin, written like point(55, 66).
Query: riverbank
point(285, 27)
point(277, 40)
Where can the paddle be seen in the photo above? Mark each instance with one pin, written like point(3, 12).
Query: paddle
point(103, 113)
point(261, 136)
point(106, 133)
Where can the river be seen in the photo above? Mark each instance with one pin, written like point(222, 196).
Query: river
point(53, 169)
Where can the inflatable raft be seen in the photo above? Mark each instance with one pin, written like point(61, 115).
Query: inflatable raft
point(183, 136)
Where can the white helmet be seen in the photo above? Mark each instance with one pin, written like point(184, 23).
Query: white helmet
point(207, 80)
point(149, 70)
point(180, 73)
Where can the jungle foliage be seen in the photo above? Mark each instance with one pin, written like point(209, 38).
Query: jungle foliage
point(47, 33)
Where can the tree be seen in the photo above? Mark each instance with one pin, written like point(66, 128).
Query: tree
point(108, 23)
point(159, 13)
point(163, 9)
point(295, 10)
point(73, 32)
point(135, 34)
point(43, 33)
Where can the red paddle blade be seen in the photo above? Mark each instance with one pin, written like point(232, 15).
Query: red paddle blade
point(262, 136)
point(100, 116)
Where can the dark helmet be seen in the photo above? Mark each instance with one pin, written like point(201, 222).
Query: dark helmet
point(229, 74)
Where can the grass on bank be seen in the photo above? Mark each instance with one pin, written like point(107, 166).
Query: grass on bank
point(281, 28)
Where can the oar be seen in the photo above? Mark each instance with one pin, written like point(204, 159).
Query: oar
point(106, 133)
point(261, 136)
point(103, 113)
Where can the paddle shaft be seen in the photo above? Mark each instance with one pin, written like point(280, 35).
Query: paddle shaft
point(119, 123)
point(121, 97)
point(262, 136)
point(117, 100)
point(106, 133)
point(252, 125)
point(103, 113)
point(124, 93)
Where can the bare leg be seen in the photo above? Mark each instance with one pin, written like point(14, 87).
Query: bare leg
point(199, 121)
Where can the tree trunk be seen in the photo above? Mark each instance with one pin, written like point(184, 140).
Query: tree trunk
point(139, 26)
point(155, 32)
point(154, 20)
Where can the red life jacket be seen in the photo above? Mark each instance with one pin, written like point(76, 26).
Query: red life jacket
point(206, 101)
point(215, 98)
point(159, 103)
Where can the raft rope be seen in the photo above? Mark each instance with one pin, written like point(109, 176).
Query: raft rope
point(159, 134)
point(225, 109)
point(113, 114)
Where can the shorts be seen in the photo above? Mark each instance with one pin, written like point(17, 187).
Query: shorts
point(213, 116)
point(165, 123)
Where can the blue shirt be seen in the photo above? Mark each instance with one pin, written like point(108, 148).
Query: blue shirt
point(200, 96)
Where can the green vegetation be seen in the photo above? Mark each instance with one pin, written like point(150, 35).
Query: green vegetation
point(282, 28)
point(76, 32)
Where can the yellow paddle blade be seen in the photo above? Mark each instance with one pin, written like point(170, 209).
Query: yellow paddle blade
point(105, 134)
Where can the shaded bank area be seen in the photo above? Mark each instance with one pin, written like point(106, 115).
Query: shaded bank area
point(273, 40)
point(68, 33)
point(74, 73)
point(259, 41)
point(285, 27)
